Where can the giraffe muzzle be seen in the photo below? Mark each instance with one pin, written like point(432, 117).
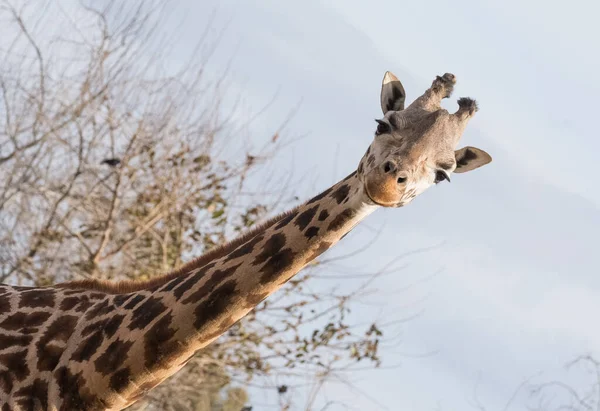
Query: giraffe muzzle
point(383, 185)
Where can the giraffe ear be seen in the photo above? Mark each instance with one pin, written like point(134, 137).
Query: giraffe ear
point(469, 158)
point(392, 93)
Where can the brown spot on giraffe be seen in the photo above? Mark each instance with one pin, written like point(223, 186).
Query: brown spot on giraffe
point(33, 396)
point(100, 308)
point(48, 351)
point(207, 288)
point(121, 299)
point(192, 280)
point(286, 220)
point(209, 308)
point(323, 215)
point(370, 160)
point(341, 219)
point(88, 347)
point(96, 296)
point(306, 217)
point(319, 196)
point(6, 382)
point(279, 262)
point(74, 391)
point(159, 344)
point(75, 290)
point(7, 341)
point(78, 303)
point(15, 364)
point(133, 302)
point(341, 193)
point(4, 304)
point(108, 326)
point(113, 357)
point(120, 379)
point(311, 232)
point(37, 298)
point(272, 246)
point(25, 322)
point(144, 314)
point(246, 248)
point(112, 324)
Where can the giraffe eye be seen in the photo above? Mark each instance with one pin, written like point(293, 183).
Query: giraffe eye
point(440, 176)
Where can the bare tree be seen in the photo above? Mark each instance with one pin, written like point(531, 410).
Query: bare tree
point(576, 388)
point(115, 165)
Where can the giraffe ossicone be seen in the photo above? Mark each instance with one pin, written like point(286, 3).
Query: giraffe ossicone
point(92, 345)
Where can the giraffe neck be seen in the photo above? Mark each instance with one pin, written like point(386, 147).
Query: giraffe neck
point(98, 350)
point(224, 290)
point(197, 307)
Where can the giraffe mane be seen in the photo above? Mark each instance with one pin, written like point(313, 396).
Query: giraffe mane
point(129, 286)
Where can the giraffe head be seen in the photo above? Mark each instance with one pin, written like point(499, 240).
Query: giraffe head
point(415, 147)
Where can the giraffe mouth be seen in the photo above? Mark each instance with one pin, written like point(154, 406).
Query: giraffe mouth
point(377, 202)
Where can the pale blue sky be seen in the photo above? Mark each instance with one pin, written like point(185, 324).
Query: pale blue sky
point(519, 288)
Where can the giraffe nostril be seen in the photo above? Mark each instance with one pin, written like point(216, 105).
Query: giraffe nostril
point(389, 167)
point(401, 180)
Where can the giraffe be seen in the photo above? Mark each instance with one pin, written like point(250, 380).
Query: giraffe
point(92, 345)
